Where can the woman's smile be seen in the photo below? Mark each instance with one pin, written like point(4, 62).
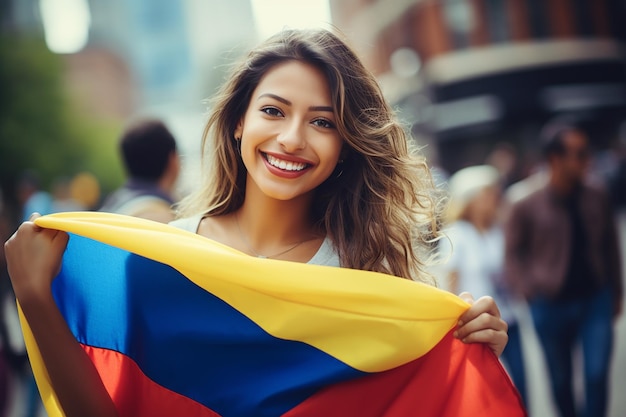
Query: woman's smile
point(290, 144)
point(284, 166)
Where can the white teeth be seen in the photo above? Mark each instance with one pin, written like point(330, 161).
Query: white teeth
point(286, 165)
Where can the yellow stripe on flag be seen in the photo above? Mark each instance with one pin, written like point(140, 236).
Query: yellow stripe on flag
point(368, 320)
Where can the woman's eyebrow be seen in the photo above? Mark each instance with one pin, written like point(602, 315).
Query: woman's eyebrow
point(288, 103)
point(275, 97)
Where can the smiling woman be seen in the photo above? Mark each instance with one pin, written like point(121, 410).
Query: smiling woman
point(308, 164)
point(302, 146)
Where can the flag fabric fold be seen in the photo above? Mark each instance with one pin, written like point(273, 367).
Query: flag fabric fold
point(179, 325)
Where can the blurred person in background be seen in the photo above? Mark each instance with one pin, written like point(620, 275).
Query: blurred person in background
point(562, 255)
point(85, 189)
point(31, 197)
point(152, 163)
point(474, 252)
point(62, 196)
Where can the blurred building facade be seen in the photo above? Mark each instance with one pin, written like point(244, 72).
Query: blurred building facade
point(470, 74)
point(159, 58)
point(465, 74)
point(143, 53)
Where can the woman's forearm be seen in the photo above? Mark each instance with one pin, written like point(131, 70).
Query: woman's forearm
point(73, 376)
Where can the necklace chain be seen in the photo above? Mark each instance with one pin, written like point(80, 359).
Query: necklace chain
point(255, 253)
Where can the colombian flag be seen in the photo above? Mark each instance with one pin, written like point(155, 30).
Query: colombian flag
point(179, 325)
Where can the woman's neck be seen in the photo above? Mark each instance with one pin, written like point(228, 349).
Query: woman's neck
point(267, 225)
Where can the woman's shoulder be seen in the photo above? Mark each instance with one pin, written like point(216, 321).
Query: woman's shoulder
point(326, 255)
point(189, 224)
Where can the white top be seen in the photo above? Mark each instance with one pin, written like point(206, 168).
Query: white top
point(478, 260)
point(476, 257)
point(325, 255)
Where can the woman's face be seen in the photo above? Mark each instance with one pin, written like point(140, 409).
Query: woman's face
point(484, 206)
point(290, 144)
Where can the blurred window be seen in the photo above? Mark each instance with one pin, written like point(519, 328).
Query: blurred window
point(538, 15)
point(460, 20)
point(583, 15)
point(497, 20)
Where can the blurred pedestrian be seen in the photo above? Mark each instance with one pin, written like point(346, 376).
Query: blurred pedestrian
point(152, 163)
point(31, 197)
point(85, 189)
point(562, 254)
point(474, 252)
point(62, 196)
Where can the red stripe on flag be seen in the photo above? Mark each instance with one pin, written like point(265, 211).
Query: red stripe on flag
point(452, 380)
point(134, 394)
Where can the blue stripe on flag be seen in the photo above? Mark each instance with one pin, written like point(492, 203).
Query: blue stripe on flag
point(144, 309)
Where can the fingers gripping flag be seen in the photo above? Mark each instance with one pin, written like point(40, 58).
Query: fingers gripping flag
point(179, 325)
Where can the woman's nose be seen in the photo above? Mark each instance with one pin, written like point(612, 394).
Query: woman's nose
point(292, 138)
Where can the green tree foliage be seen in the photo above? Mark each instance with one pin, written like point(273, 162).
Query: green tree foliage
point(41, 129)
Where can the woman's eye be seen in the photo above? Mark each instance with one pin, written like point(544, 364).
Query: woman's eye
point(323, 123)
point(271, 111)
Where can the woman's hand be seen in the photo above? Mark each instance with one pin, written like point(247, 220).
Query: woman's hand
point(482, 323)
point(34, 258)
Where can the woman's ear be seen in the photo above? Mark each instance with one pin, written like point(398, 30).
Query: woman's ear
point(238, 130)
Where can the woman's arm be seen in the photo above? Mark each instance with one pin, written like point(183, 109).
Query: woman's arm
point(33, 260)
point(482, 323)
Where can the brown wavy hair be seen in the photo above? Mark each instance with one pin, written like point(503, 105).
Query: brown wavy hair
point(380, 207)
